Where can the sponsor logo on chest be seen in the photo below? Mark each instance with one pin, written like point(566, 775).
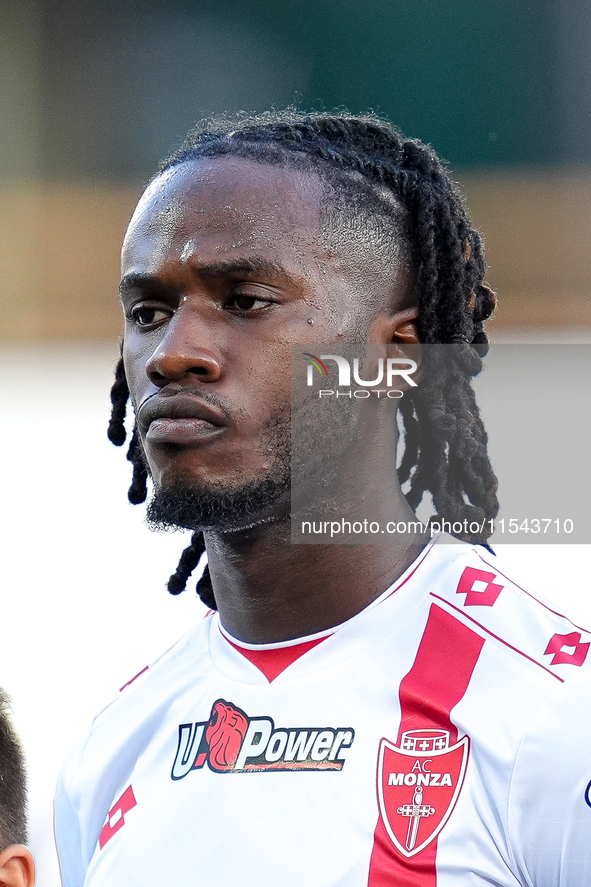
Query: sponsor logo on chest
point(233, 742)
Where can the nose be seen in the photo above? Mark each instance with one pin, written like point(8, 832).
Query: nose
point(186, 349)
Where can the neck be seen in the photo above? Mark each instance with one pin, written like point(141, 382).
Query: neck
point(269, 590)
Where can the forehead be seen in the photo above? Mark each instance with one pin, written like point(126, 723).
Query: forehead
point(225, 205)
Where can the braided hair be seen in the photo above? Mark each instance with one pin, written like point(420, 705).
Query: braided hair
point(445, 443)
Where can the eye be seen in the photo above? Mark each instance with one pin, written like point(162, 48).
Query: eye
point(243, 302)
point(148, 315)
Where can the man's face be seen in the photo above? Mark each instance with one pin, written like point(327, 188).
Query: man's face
point(224, 266)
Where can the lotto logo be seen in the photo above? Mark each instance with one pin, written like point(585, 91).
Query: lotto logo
point(479, 588)
point(116, 816)
point(567, 648)
point(231, 742)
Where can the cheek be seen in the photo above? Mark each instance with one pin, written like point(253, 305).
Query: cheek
point(134, 365)
point(262, 375)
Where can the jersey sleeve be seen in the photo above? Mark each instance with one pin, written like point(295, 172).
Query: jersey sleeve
point(550, 794)
point(80, 805)
point(68, 837)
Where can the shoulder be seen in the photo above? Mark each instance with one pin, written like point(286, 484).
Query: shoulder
point(534, 677)
point(141, 700)
point(473, 585)
point(102, 760)
point(550, 798)
point(186, 654)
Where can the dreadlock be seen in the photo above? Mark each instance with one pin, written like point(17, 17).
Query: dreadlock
point(444, 438)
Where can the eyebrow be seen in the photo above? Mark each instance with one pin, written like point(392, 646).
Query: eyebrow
point(250, 264)
point(210, 271)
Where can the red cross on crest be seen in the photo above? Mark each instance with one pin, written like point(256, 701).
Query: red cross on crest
point(577, 653)
point(479, 588)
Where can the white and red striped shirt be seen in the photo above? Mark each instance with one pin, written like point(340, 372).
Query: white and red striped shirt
point(396, 750)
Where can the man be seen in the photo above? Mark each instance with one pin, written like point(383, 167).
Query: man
point(17, 868)
point(351, 714)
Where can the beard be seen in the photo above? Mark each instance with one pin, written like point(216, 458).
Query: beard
point(218, 507)
point(230, 506)
point(304, 477)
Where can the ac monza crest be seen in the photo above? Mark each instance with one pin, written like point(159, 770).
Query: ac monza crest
point(418, 785)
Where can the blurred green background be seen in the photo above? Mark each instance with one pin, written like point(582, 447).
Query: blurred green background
point(93, 95)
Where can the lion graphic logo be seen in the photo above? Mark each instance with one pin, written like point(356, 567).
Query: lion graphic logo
point(224, 734)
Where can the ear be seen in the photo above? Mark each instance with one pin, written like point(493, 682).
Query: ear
point(405, 341)
point(17, 867)
point(405, 330)
point(398, 328)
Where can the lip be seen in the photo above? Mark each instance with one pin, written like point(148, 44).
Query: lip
point(179, 419)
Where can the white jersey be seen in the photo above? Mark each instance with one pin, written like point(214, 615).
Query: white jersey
point(553, 784)
point(398, 750)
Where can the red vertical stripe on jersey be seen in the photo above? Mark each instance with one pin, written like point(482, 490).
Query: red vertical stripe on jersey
point(438, 679)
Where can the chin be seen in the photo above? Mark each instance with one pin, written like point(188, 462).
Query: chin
point(219, 507)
